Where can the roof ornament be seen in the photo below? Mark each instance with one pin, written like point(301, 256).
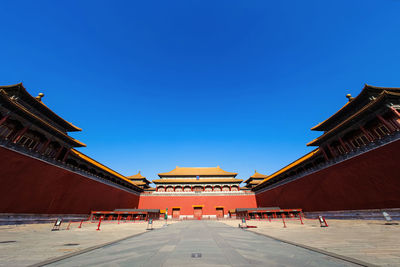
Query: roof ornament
point(349, 97)
point(39, 97)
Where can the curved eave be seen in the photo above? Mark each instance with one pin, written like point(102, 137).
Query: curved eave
point(42, 107)
point(257, 175)
point(320, 126)
point(138, 183)
point(248, 180)
point(349, 105)
point(256, 179)
point(139, 180)
point(383, 95)
point(22, 109)
point(149, 189)
point(136, 176)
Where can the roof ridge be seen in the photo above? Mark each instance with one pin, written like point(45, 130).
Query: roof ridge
point(351, 103)
point(22, 89)
point(199, 167)
point(24, 109)
point(370, 104)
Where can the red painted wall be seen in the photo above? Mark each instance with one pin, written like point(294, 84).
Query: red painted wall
point(28, 185)
point(368, 181)
point(186, 203)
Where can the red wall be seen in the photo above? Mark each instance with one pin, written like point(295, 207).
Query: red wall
point(28, 185)
point(368, 181)
point(186, 203)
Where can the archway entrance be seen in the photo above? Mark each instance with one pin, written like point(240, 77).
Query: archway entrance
point(220, 212)
point(197, 213)
point(176, 213)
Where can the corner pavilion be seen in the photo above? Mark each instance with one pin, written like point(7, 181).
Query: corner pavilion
point(197, 179)
point(255, 179)
point(140, 181)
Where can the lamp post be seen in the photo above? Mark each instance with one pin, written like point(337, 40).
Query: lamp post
point(166, 216)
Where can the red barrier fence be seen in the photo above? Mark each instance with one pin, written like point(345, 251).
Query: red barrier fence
point(263, 213)
point(98, 226)
point(127, 215)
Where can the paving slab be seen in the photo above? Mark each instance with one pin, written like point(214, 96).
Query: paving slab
point(24, 245)
point(200, 243)
point(369, 241)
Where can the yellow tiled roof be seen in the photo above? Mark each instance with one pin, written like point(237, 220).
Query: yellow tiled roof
point(136, 176)
point(258, 175)
point(323, 122)
point(138, 183)
point(197, 171)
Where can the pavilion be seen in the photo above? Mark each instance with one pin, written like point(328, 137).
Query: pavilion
point(255, 179)
point(140, 181)
point(197, 179)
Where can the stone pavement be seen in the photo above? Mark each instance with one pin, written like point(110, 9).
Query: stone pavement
point(23, 245)
point(369, 241)
point(200, 243)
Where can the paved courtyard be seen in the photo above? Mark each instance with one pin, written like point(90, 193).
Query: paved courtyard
point(365, 240)
point(201, 243)
point(27, 244)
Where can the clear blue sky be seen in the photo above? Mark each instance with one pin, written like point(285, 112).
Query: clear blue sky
point(155, 84)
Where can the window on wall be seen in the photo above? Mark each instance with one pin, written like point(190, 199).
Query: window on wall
point(360, 140)
point(50, 151)
point(226, 188)
point(381, 130)
point(5, 131)
point(178, 189)
point(340, 149)
point(27, 142)
point(198, 189)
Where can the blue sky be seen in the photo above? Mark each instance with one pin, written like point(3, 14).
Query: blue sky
point(156, 84)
